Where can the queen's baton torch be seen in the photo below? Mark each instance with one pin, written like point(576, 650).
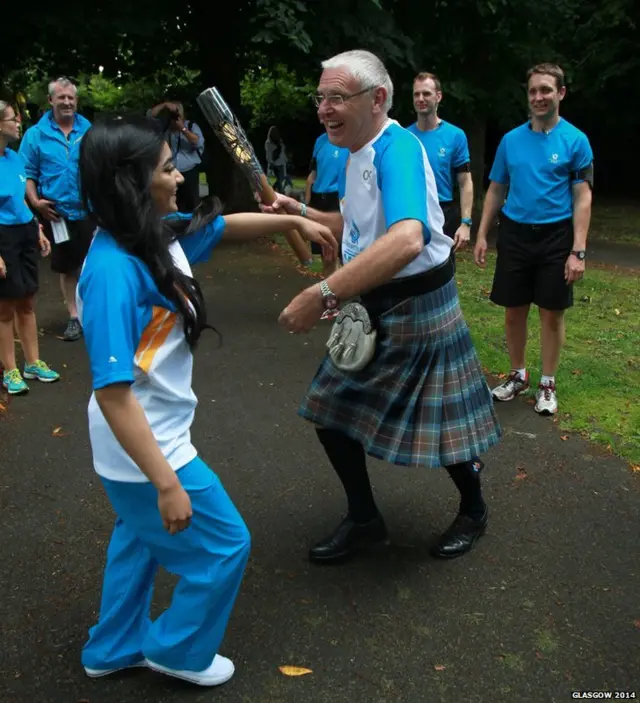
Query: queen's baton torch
point(228, 130)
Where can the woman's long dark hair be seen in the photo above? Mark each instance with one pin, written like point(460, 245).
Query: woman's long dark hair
point(117, 160)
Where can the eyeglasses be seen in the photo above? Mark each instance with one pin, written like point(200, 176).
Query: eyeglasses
point(15, 118)
point(337, 100)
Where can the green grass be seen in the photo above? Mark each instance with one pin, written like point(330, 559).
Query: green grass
point(600, 364)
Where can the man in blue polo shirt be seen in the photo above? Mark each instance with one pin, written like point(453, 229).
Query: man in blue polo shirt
point(50, 150)
point(327, 163)
point(448, 153)
point(547, 167)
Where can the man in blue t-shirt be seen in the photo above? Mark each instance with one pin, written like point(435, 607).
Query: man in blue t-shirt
point(448, 153)
point(545, 170)
point(327, 163)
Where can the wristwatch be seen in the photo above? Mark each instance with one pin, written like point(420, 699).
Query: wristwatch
point(466, 221)
point(329, 298)
point(579, 254)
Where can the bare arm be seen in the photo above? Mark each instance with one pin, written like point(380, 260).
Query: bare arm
point(465, 183)
point(493, 202)
point(581, 214)
point(129, 424)
point(32, 192)
point(332, 220)
point(311, 179)
point(250, 225)
point(380, 262)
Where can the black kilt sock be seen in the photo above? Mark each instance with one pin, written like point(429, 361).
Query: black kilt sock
point(348, 460)
point(467, 480)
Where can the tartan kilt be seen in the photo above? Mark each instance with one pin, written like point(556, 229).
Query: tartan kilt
point(423, 399)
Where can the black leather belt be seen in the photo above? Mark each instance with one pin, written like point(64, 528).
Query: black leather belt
point(388, 294)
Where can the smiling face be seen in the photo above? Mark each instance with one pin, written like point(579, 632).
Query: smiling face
point(544, 96)
point(64, 102)
point(10, 124)
point(164, 183)
point(350, 114)
point(426, 97)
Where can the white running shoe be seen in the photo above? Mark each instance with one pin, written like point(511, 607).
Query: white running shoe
point(220, 671)
point(97, 673)
point(546, 400)
point(512, 387)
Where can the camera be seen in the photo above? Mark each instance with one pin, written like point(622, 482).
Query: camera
point(166, 116)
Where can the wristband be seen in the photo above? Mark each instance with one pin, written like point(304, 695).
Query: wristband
point(303, 209)
point(466, 221)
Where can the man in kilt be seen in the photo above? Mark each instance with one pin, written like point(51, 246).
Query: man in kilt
point(422, 400)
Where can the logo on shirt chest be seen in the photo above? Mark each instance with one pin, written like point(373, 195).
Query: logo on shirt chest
point(354, 233)
point(554, 159)
point(442, 152)
point(336, 153)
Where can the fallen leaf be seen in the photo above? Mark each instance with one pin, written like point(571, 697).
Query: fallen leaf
point(617, 312)
point(520, 473)
point(57, 432)
point(502, 375)
point(576, 372)
point(564, 437)
point(637, 623)
point(635, 468)
point(294, 670)
point(3, 408)
point(439, 667)
point(59, 337)
point(539, 655)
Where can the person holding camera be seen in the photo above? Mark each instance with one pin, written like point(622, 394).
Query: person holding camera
point(187, 144)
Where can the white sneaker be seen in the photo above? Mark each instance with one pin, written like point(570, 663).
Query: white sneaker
point(220, 671)
point(546, 400)
point(512, 387)
point(97, 673)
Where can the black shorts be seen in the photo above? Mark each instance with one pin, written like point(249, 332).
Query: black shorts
point(20, 250)
point(68, 257)
point(451, 214)
point(530, 265)
point(325, 202)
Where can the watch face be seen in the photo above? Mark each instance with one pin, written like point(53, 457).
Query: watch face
point(330, 302)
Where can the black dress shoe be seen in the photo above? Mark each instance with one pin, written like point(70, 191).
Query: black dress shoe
point(461, 536)
point(347, 538)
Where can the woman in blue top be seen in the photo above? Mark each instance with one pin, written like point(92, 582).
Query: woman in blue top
point(21, 245)
point(142, 314)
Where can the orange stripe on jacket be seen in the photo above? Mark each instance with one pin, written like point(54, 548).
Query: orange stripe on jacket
point(154, 336)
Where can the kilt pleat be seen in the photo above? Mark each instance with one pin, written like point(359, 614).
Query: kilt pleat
point(423, 400)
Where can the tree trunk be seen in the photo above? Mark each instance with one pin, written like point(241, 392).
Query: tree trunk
point(476, 135)
point(219, 67)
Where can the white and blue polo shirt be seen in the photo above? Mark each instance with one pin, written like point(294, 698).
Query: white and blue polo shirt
point(386, 181)
point(447, 149)
point(134, 335)
point(539, 169)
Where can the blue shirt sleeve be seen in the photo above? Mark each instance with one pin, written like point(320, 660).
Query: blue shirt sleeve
point(403, 181)
point(461, 154)
point(500, 169)
point(198, 245)
point(581, 158)
point(113, 320)
point(30, 154)
point(200, 143)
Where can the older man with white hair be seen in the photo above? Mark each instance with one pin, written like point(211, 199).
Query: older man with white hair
point(401, 381)
point(51, 149)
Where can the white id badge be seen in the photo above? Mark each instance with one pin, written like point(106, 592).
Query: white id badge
point(60, 231)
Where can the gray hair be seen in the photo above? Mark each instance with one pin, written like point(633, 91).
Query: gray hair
point(63, 83)
point(367, 68)
point(3, 108)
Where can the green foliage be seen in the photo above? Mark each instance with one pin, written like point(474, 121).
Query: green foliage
point(273, 94)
